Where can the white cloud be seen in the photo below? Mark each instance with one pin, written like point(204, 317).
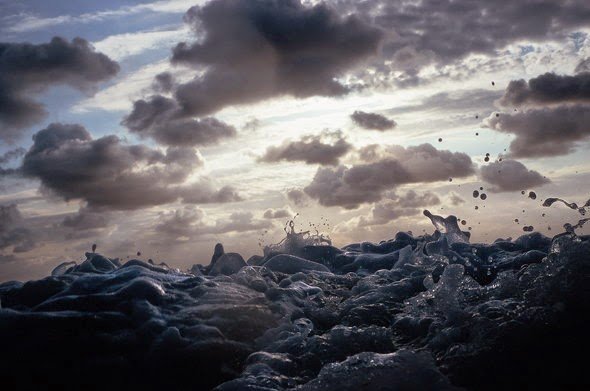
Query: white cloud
point(121, 46)
point(33, 23)
point(119, 97)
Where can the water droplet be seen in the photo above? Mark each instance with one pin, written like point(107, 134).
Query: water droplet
point(532, 195)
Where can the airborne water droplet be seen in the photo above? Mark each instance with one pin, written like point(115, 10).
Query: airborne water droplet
point(532, 195)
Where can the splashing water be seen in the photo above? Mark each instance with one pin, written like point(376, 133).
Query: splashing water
point(572, 205)
point(294, 242)
point(449, 227)
point(570, 228)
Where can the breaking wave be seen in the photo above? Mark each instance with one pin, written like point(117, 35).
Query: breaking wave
point(432, 312)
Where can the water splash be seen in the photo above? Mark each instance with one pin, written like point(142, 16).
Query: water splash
point(449, 227)
point(572, 205)
point(294, 242)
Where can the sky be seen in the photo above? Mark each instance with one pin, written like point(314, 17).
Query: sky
point(163, 127)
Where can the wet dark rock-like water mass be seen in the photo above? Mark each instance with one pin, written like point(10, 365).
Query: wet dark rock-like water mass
point(429, 312)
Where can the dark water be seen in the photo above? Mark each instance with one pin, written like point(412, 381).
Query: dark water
point(433, 312)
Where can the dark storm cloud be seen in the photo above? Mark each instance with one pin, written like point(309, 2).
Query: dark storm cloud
point(249, 51)
point(277, 213)
point(324, 149)
point(372, 121)
point(393, 166)
point(546, 89)
point(549, 131)
point(396, 206)
point(27, 69)
point(284, 48)
point(107, 173)
point(158, 118)
point(12, 231)
point(511, 175)
point(297, 197)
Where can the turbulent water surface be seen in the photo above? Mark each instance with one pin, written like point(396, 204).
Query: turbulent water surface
point(433, 312)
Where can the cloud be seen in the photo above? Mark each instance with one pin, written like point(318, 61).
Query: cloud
point(419, 34)
point(396, 206)
point(297, 197)
point(121, 46)
point(284, 48)
point(205, 192)
point(164, 82)
point(12, 232)
point(27, 69)
point(311, 149)
point(511, 175)
point(8, 156)
point(424, 163)
point(89, 222)
point(388, 167)
point(549, 131)
point(87, 219)
point(26, 22)
point(372, 121)
point(278, 213)
point(239, 222)
point(583, 66)
point(181, 222)
point(454, 101)
point(548, 88)
point(11, 155)
point(190, 222)
point(455, 199)
point(107, 173)
point(158, 118)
